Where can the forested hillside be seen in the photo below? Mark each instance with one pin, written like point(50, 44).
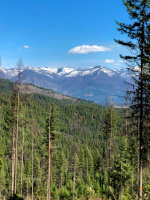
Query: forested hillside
point(92, 152)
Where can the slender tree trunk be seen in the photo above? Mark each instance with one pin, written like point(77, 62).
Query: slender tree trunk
point(32, 168)
point(110, 153)
point(139, 161)
point(109, 163)
point(138, 143)
point(22, 151)
point(17, 130)
point(13, 161)
point(141, 113)
point(49, 162)
point(103, 174)
point(140, 165)
point(140, 179)
point(22, 160)
point(74, 179)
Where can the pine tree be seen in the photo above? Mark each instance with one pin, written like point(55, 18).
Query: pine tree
point(74, 166)
point(16, 91)
point(49, 136)
point(110, 130)
point(138, 34)
point(2, 163)
point(121, 173)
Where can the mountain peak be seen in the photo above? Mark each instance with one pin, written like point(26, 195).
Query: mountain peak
point(94, 84)
point(49, 69)
point(65, 70)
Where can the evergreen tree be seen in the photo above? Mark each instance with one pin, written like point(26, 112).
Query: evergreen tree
point(2, 169)
point(121, 173)
point(74, 167)
point(49, 136)
point(138, 34)
point(110, 131)
point(91, 149)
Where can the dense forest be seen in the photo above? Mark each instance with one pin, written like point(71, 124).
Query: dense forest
point(93, 153)
point(59, 149)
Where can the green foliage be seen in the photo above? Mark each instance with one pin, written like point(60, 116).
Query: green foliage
point(126, 196)
point(147, 188)
point(81, 136)
point(64, 193)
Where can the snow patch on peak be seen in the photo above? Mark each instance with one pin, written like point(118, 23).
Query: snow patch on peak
point(107, 71)
point(64, 70)
point(36, 69)
point(73, 73)
point(69, 72)
point(90, 71)
point(49, 69)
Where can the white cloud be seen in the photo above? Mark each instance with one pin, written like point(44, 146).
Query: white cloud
point(109, 61)
point(87, 49)
point(119, 62)
point(26, 47)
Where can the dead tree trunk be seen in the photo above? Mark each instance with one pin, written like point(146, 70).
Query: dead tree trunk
point(22, 156)
point(17, 130)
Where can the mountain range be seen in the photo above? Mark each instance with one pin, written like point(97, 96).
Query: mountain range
point(97, 84)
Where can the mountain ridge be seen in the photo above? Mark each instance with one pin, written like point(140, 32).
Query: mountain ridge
point(93, 84)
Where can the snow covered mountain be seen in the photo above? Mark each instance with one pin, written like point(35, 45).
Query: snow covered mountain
point(96, 84)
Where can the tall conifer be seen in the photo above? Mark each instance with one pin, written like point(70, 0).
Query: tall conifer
point(49, 136)
point(139, 64)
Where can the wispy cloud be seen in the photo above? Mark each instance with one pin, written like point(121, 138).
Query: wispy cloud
point(26, 46)
point(109, 61)
point(84, 49)
point(119, 62)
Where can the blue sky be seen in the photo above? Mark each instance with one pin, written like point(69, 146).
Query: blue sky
point(61, 33)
